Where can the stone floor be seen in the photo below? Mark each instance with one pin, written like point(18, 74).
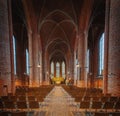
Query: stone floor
point(58, 103)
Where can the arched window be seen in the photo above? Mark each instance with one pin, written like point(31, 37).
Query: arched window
point(63, 69)
point(57, 69)
point(27, 62)
point(52, 68)
point(101, 54)
point(14, 53)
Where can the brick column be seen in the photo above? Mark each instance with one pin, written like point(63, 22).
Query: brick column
point(54, 69)
point(72, 65)
point(35, 53)
point(91, 77)
point(46, 61)
point(5, 61)
point(106, 47)
point(81, 54)
point(41, 79)
point(30, 58)
point(42, 68)
point(114, 46)
point(68, 63)
point(82, 57)
point(11, 47)
point(85, 58)
point(60, 69)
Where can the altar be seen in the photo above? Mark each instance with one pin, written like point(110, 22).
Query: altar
point(58, 80)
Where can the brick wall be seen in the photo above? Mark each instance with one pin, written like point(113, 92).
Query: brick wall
point(114, 47)
point(5, 65)
point(114, 86)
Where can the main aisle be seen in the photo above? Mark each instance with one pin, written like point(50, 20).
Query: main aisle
point(58, 103)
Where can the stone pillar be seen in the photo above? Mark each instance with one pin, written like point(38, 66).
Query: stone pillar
point(60, 69)
point(82, 56)
point(93, 69)
point(75, 68)
point(43, 64)
point(106, 47)
point(91, 76)
point(85, 58)
point(82, 53)
point(41, 79)
point(114, 46)
point(35, 59)
point(30, 57)
point(72, 65)
point(46, 68)
point(11, 47)
point(65, 70)
point(95, 64)
point(5, 60)
point(54, 69)
point(68, 64)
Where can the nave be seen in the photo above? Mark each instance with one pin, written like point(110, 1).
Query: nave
point(56, 103)
point(59, 100)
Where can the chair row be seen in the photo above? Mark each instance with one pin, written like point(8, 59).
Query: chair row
point(22, 98)
point(77, 91)
point(102, 99)
point(21, 105)
point(99, 114)
point(5, 113)
point(106, 114)
point(99, 106)
point(77, 98)
point(33, 90)
point(26, 114)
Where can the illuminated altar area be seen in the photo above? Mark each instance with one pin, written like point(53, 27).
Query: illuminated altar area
point(57, 72)
point(58, 80)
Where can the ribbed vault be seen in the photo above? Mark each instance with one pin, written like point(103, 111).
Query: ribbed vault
point(57, 23)
point(58, 32)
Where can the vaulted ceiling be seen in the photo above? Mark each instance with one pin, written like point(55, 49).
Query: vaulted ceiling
point(57, 25)
point(58, 22)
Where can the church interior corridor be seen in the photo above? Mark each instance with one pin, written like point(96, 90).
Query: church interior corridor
point(58, 104)
point(59, 57)
point(59, 100)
